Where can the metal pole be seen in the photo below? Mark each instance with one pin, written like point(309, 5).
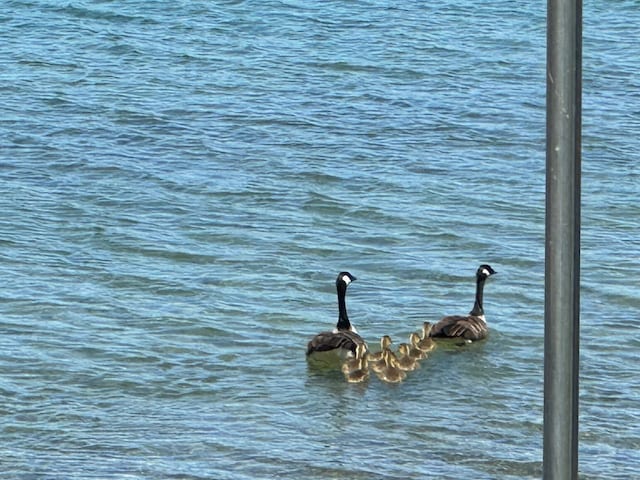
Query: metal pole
point(562, 239)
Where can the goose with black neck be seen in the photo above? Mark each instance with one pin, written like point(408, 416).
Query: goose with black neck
point(344, 339)
point(468, 327)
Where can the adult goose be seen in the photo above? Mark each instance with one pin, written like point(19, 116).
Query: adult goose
point(343, 339)
point(472, 326)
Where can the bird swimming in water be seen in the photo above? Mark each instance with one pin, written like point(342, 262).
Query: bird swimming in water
point(406, 361)
point(360, 373)
point(343, 339)
point(414, 349)
point(391, 373)
point(351, 364)
point(385, 343)
point(470, 327)
point(426, 343)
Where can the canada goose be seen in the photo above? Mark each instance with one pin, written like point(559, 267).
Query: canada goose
point(344, 338)
point(426, 343)
point(472, 326)
point(391, 373)
point(406, 362)
point(351, 364)
point(385, 342)
point(414, 347)
point(381, 362)
point(359, 374)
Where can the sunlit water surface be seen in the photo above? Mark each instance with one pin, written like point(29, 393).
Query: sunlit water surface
point(182, 181)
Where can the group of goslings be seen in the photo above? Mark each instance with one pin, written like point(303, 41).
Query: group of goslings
point(388, 365)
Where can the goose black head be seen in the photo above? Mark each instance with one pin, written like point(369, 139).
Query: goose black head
point(345, 278)
point(485, 271)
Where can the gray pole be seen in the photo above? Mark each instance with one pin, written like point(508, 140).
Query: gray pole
point(562, 242)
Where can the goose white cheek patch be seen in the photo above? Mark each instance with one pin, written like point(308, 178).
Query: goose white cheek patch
point(485, 272)
point(346, 279)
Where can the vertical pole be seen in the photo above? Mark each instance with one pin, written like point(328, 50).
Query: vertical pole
point(562, 239)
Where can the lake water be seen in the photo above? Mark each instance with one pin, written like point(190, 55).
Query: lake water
point(182, 182)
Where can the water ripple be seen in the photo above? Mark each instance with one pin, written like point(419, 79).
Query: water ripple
point(182, 182)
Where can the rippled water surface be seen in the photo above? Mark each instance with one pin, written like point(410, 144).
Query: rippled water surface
point(182, 181)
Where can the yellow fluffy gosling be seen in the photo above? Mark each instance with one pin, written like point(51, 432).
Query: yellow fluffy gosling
point(385, 342)
point(414, 349)
point(426, 343)
point(406, 362)
point(360, 374)
point(351, 364)
point(391, 373)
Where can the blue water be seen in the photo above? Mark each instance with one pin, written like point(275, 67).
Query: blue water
point(182, 181)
